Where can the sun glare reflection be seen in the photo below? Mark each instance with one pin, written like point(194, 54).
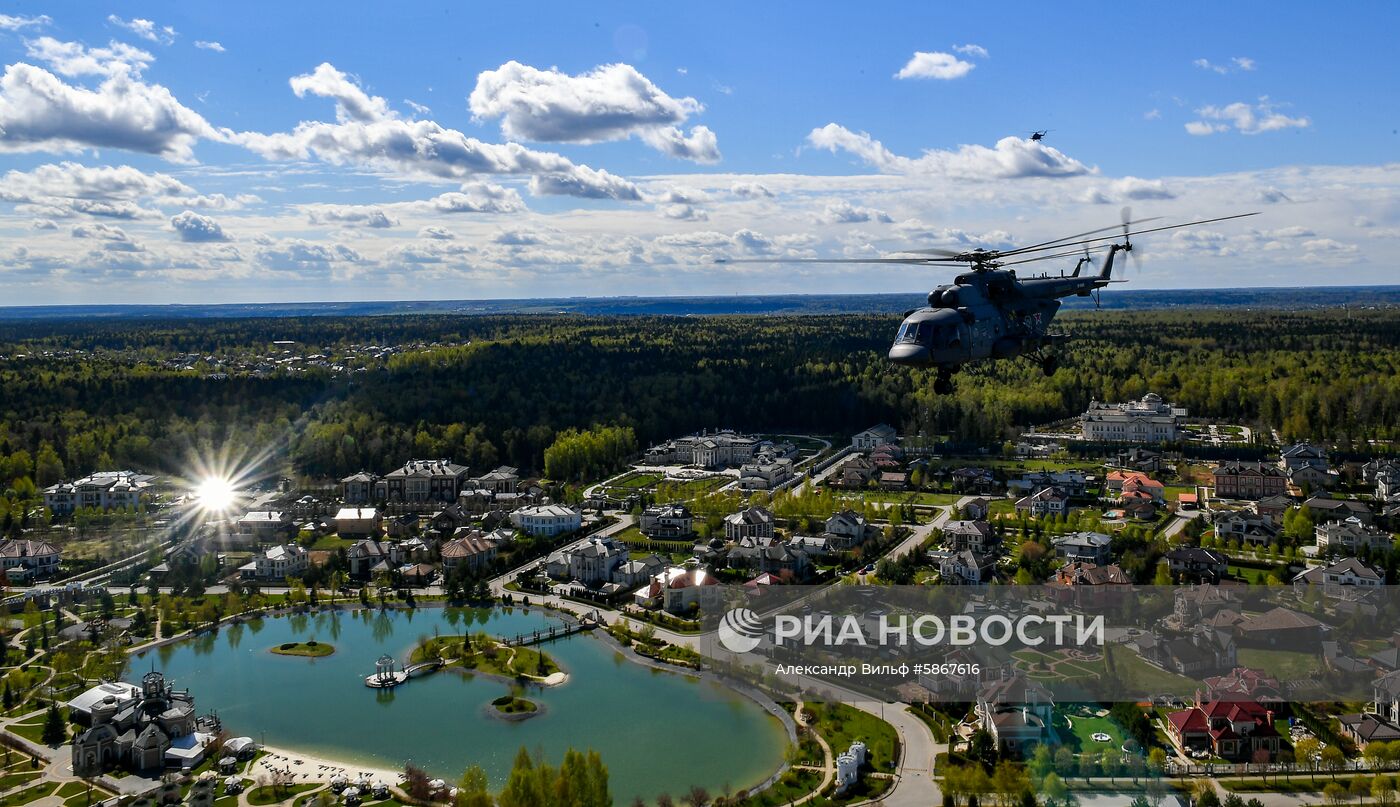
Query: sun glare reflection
point(215, 494)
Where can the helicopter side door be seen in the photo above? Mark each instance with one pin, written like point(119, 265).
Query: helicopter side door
point(982, 333)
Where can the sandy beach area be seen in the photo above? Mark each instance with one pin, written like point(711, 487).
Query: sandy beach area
point(312, 768)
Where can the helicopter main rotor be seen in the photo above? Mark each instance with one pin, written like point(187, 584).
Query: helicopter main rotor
point(981, 259)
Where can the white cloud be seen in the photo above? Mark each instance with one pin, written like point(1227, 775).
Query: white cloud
point(479, 197)
point(518, 238)
point(1245, 118)
point(682, 212)
point(1011, 158)
point(843, 212)
point(699, 146)
point(76, 59)
point(351, 102)
point(43, 224)
point(194, 228)
point(72, 180)
point(68, 189)
point(418, 109)
point(474, 197)
point(1152, 114)
point(103, 232)
point(586, 183)
point(204, 44)
point(612, 102)
point(162, 34)
point(1201, 128)
point(751, 190)
point(10, 22)
point(972, 50)
point(367, 215)
point(1206, 64)
point(39, 112)
point(437, 233)
point(1127, 189)
point(369, 134)
point(305, 257)
point(935, 64)
point(1240, 63)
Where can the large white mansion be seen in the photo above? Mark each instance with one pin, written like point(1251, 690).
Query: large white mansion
point(104, 490)
point(1149, 420)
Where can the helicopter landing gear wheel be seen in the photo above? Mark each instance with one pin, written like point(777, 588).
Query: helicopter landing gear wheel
point(943, 385)
point(1049, 365)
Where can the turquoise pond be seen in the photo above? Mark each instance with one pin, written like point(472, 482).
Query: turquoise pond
point(656, 731)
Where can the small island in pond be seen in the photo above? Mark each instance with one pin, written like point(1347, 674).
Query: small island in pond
point(307, 649)
point(491, 656)
point(515, 706)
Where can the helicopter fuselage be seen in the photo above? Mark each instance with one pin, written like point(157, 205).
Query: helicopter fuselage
point(988, 313)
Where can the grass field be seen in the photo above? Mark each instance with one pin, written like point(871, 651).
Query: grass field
point(637, 480)
point(842, 725)
point(29, 794)
point(1078, 732)
point(271, 795)
point(1054, 666)
point(1285, 665)
point(790, 787)
point(331, 543)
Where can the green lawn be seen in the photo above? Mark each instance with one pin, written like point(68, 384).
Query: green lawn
point(842, 725)
point(32, 729)
point(29, 794)
point(1135, 673)
point(693, 488)
point(790, 786)
point(1079, 734)
point(19, 777)
point(331, 543)
point(636, 480)
point(633, 535)
point(1286, 665)
point(1002, 508)
point(905, 497)
point(271, 795)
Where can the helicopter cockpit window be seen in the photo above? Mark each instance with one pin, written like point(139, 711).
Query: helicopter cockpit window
point(925, 333)
point(909, 333)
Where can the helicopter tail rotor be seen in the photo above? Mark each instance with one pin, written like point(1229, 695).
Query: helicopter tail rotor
point(1127, 216)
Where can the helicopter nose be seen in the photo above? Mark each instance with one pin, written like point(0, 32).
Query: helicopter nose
point(909, 354)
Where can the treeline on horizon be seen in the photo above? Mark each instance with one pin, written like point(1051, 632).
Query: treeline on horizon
point(499, 389)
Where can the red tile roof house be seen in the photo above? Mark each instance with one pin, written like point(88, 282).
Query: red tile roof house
point(1235, 730)
point(1245, 684)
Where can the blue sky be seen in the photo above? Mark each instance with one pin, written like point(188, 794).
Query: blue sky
point(255, 152)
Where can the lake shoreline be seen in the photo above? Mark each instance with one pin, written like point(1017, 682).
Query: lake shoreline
point(312, 764)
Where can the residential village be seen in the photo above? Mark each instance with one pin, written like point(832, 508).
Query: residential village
point(1130, 498)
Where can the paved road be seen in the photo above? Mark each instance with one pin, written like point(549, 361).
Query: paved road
point(1176, 525)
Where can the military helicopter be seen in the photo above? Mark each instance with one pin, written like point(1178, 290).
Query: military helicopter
point(1039, 134)
point(989, 313)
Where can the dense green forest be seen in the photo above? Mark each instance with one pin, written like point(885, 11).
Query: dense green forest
point(80, 395)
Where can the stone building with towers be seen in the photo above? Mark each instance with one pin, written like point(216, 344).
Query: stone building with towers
point(143, 729)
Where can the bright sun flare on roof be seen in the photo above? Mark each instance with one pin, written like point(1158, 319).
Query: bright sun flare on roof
point(215, 494)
